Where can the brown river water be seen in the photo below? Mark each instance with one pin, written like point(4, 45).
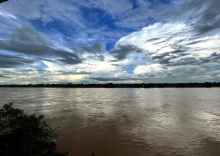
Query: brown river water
point(127, 121)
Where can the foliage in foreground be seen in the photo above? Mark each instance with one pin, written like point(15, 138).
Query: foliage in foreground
point(25, 135)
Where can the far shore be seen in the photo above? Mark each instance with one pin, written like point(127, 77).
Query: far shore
point(120, 85)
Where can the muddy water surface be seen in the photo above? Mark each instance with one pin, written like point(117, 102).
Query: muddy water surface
point(128, 122)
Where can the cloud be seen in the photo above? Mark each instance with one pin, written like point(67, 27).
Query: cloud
point(113, 79)
point(214, 57)
point(2, 76)
point(46, 11)
point(122, 51)
point(210, 17)
point(203, 15)
point(67, 78)
point(95, 49)
point(108, 79)
point(173, 48)
point(119, 76)
point(142, 13)
point(116, 11)
point(68, 57)
point(8, 22)
point(168, 37)
point(29, 42)
point(9, 61)
point(149, 69)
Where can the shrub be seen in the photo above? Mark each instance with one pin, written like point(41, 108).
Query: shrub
point(25, 135)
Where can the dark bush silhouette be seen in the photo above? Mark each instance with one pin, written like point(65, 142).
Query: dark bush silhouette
point(25, 135)
point(1, 1)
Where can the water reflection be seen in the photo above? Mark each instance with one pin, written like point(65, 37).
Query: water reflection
point(127, 121)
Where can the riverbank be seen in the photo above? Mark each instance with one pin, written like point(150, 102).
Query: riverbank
point(115, 85)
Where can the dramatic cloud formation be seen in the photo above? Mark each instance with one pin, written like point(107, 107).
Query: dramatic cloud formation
point(98, 41)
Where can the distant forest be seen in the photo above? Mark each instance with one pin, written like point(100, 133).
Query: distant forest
point(134, 85)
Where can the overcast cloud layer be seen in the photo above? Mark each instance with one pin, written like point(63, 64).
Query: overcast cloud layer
point(101, 41)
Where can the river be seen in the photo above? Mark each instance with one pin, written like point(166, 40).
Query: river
point(127, 121)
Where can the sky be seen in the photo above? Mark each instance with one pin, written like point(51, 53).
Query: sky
point(103, 41)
